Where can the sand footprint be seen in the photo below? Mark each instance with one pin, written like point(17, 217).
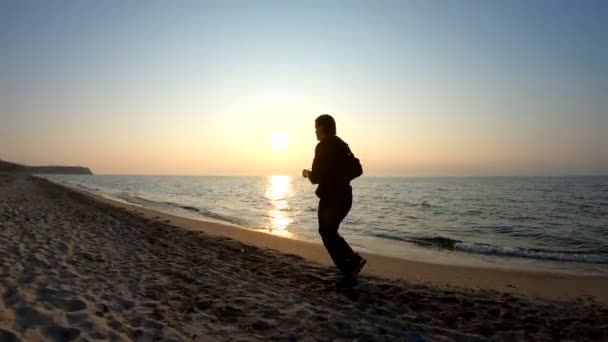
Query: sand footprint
point(28, 317)
point(57, 332)
point(8, 336)
point(59, 300)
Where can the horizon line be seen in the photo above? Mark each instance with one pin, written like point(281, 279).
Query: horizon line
point(364, 176)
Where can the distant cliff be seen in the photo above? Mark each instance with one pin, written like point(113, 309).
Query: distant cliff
point(6, 166)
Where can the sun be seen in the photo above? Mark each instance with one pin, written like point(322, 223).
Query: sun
point(279, 141)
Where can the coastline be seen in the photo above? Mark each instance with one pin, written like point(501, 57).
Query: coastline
point(435, 224)
point(549, 285)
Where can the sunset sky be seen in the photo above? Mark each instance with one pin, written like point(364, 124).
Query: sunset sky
point(418, 88)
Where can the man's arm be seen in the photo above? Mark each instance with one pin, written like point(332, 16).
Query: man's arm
point(318, 165)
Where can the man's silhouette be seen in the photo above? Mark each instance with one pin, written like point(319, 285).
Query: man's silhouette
point(330, 171)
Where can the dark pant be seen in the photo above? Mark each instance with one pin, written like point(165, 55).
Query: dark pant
point(331, 213)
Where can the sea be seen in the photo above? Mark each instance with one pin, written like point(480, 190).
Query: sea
point(543, 223)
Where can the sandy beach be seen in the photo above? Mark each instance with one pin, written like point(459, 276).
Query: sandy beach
point(80, 267)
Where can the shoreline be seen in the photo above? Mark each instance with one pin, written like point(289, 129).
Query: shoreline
point(477, 250)
point(407, 251)
point(549, 285)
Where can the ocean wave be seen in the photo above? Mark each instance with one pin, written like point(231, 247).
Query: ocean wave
point(590, 257)
point(523, 218)
point(135, 199)
point(440, 242)
point(86, 187)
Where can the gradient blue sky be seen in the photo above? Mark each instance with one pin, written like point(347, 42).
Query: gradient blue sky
point(419, 88)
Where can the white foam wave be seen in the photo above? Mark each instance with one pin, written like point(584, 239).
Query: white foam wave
point(529, 253)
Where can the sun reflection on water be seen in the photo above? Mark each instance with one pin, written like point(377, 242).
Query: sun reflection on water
point(279, 188)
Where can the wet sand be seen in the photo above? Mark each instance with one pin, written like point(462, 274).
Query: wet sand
point(77, 266)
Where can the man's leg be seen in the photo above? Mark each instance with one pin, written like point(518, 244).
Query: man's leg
point(353, 262)
point(331, 214)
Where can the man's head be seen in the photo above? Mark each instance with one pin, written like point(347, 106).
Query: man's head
point(325, 126)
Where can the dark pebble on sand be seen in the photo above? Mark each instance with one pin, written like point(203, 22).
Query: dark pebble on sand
point(101, 309)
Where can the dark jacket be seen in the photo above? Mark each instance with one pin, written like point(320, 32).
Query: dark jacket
point(328, 168)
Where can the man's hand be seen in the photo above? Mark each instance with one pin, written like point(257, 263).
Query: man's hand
point(306, 173)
